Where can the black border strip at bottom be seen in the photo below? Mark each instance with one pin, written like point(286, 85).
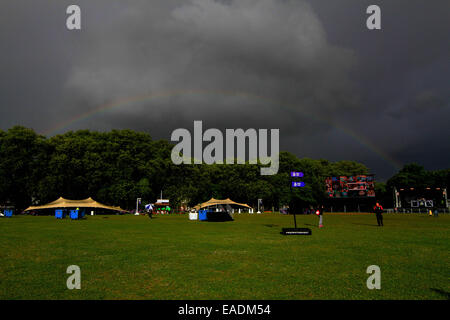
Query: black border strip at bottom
point(223, 309)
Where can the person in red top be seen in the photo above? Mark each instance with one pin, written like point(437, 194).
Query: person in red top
point(319, 212)
point(378, 209)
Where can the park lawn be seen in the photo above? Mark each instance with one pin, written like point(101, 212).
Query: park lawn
point(170, 257)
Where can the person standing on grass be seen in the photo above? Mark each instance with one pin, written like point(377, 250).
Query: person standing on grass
point(319, 212)
point(436, 212)
point(378, 209)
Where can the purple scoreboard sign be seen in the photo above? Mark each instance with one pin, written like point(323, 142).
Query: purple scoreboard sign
point(296, 174)
point(296, 184)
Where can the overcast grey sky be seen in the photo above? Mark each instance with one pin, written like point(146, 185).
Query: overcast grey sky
point(335, 89)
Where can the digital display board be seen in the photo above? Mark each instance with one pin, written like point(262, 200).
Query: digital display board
point(359, 186)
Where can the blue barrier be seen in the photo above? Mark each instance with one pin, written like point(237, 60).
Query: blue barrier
point(202, 215)
point(73, 214)
point(8, 213)
point(60, 214)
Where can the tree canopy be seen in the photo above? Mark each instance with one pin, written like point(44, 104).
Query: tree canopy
point(119, 166)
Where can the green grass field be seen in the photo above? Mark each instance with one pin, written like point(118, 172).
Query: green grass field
point(170, 257)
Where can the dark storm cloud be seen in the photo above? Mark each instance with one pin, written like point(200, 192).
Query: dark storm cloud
point(222, 49)
point(306, 67)
point(424, 102)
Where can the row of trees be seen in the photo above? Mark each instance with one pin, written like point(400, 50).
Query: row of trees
point(117, 167)
point(412, 175)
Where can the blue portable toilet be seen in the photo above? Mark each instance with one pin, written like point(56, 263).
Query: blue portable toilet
point(73, 214)
point(8, 213)
point(202, 216)
point(60, 214)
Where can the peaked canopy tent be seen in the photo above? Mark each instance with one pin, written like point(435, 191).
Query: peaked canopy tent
point(67, 203)
point(214, 202)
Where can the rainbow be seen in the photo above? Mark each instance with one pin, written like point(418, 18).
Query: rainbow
point(129, 101)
